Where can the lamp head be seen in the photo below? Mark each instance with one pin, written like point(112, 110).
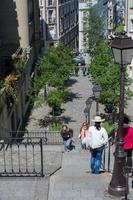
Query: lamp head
point(122, 47)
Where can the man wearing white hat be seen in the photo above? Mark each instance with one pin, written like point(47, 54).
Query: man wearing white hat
point(96, 139)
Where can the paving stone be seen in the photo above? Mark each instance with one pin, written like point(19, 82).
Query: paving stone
point(85, 193)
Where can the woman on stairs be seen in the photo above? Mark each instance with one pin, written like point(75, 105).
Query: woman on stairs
point(82, 135)
point(67, 135)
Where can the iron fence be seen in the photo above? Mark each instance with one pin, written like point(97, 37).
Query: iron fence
point(22, 153)
point(20, 158)
point(48, 137)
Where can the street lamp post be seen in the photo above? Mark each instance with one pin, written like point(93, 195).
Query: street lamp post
point(86, 114)
point(122, 47)
point(88, 106)
point(96, 91)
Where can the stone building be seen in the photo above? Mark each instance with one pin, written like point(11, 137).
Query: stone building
point(59, 22)
point(19, 48)
point(129, 17)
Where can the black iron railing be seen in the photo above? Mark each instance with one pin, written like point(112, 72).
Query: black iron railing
point(22, 153)
point(106, 164)
point(48, 137)
point(20, 158)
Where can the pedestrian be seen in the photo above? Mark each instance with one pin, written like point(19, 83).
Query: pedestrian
point(76, 69)
point(128, 141)
point(82, 135)
point(67, 135)
point(84, 70)
point(96, 139)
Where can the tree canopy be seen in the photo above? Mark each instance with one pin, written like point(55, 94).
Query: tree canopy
point(53, 69)
point(106, 72)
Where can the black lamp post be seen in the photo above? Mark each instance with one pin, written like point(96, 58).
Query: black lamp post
point(88, 106)
point(86, 114)
point(122, 47)
point(96, 91)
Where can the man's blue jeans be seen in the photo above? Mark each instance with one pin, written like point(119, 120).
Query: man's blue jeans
point(67, 144)
point(96, 159)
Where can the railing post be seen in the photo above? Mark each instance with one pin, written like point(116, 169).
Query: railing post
point(104, 152)
point(41, 146)
point(109, 155)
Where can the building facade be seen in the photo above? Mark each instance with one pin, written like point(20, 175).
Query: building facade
point(102, 8)
point(129, 28)
point(129, 17)
point(83, 8)
point(112, 18)
point(59, 22)
point(19, 48)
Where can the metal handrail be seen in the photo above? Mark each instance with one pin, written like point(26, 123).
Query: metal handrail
point(107, 156)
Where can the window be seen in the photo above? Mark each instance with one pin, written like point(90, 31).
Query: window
point(41, 2)
point(131, 25)
point(41, 14)
point(131, 4)
point(51, 32)
point(49, 2)
point(50, 13)
point(30, 11)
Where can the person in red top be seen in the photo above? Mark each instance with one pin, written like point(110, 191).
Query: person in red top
point(128, 141)
point(82, 135)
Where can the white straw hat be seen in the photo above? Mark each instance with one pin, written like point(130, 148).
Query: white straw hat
point(98, 119)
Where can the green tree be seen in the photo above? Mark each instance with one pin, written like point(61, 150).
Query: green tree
point(56, 67)
point(104, 71)
point(53, 69)
point(54, 99)
point(92, 29)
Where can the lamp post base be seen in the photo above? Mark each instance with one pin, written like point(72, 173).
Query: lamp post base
point(119, 183)
point(117, 191)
